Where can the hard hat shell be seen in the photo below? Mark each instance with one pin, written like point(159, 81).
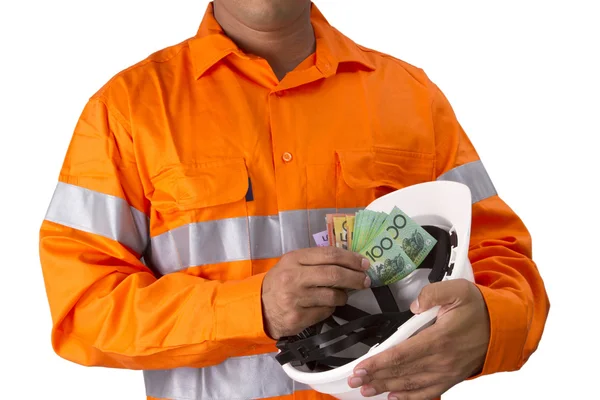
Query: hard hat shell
point(439, 204)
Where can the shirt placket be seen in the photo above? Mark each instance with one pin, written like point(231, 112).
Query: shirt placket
point(290, 181)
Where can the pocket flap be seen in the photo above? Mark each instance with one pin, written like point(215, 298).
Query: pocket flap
point(369, 168)
point(189, 186)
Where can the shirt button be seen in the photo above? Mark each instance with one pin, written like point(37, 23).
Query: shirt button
point(287, 157)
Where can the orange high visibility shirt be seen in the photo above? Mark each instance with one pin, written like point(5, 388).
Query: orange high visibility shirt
point(192, 172)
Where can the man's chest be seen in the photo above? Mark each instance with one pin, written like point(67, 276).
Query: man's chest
point(230, 163)
point(325, 145)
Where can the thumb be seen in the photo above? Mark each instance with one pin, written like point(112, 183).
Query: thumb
point(434, 294)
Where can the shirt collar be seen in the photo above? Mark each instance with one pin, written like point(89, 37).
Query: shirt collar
point(211, 45)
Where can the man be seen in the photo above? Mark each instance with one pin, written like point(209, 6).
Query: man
point(178, 239)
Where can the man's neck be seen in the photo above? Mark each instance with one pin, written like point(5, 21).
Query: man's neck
point(284, 49)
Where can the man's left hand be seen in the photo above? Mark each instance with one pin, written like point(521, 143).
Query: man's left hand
point(428, 364)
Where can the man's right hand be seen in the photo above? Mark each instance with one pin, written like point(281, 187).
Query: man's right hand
point(306, 285)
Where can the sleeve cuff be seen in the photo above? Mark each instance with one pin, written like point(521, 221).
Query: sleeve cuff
point(239, 318)
point(508, 331)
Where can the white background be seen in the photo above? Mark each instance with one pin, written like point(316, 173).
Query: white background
point(523, 77)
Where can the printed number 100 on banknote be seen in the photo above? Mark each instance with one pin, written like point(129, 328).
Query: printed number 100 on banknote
point(389, 263)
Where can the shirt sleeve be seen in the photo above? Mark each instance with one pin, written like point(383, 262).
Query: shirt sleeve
point(108, 308)
point(500, 249)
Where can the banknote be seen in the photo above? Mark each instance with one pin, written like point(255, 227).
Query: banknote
point(356, 229)
point(350, 219)
point(415, 241)
point(378, 225)
point(394, 243)
point(389, 263)
point(321, 239)
point(340, 228)
point(330, 231)
point(362, 225)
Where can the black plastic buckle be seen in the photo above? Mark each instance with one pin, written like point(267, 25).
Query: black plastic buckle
point(453, 239)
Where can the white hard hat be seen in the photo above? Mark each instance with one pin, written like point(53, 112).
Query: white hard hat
point(324, 356)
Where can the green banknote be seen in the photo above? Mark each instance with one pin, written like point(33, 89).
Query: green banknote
point(378, 226)
point(389, 263)
point(362, 224)
point(394, 243)
point(367, 226)
point(415, 241)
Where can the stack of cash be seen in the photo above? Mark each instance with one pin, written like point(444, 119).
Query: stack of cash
point(393, 243)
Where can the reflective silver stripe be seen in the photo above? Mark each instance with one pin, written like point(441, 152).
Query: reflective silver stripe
point(236, 239)
point(100, 214)
point(473, 175)
point(238, 378)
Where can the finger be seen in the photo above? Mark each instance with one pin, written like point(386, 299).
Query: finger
point(323, 297)
point(412, 383)
point(441, 294)
point(333, 276)
point(399, 357)
point(332, 256)
point(427, 364)
point(428, 393)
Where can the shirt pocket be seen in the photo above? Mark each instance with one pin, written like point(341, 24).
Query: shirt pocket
point(200, 219)
point(363, 175)
point(214, 190)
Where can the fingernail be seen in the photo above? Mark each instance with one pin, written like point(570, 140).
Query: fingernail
point(365, 264)
point(415, 306)
point(369, 391)
point(356, 382)
point(360, 372)
point(367, 282)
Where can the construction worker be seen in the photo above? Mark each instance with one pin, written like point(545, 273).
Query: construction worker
point(179, 238)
